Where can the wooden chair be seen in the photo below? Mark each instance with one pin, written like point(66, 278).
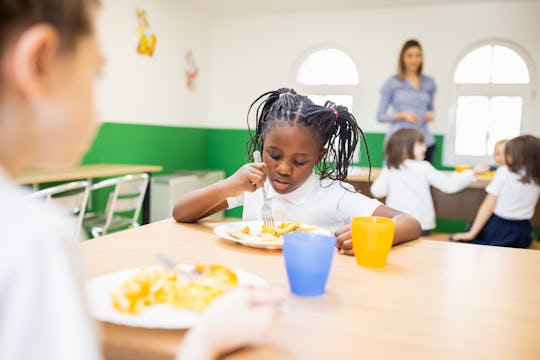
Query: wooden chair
point(72, 196)
point(123, 205)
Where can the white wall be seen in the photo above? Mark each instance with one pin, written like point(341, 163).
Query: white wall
point(241, 56)
point(252, 54)
point(151, 90)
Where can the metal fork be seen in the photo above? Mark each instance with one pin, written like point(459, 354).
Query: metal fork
point(268, 219)
point(191, 274)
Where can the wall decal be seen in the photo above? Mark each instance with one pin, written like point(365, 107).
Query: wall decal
point(147, 42)
point(192, 71)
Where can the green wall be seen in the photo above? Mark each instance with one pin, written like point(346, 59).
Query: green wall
point(186, 148)
point(376, 148)
point(227, 151)
point(169, 146)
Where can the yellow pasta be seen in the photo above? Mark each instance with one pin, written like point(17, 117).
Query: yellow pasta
point(271, 234)
point(168, 286)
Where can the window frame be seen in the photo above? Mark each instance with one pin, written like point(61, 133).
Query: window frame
point(525, 91)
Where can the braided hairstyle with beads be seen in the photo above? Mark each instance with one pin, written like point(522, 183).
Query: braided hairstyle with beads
point(333, 126)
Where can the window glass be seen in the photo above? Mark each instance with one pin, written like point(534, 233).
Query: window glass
point(505, 119)
point(329, 74)
point(471, 125)
point(475, 68)
point(345, 100)
point(492, 64)
point(481, 121)
point(508, 67)
point(492, 87)
point(328, 67)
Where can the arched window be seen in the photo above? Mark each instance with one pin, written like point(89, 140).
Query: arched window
point(328, 74)
point(492, 91)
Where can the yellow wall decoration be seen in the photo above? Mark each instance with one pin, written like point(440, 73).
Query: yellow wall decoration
point(147, 42)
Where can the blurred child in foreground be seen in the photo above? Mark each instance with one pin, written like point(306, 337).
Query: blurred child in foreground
point(49, 58)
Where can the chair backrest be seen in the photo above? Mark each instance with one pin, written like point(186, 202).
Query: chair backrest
point(126, 197)
point(72, 196)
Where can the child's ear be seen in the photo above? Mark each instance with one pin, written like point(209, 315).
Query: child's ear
point(33, 57)
point(321, 154)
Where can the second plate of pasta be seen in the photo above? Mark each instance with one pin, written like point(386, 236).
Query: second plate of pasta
point(110, 296)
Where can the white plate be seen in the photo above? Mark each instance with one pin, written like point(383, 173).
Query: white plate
point(160, 316)
point(254, 228)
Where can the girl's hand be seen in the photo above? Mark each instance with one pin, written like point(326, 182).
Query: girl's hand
point(344, 240)
point(466, 236)
point(248, 178)
point(429, 116)
point(407, 116)
point(480, 169)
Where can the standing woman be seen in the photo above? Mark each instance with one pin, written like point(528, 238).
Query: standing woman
point(407, 97)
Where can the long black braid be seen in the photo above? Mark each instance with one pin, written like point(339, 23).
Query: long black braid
point(335, 126)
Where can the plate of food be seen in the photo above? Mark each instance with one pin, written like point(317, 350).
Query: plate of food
point(160, 297)
point(256, 234)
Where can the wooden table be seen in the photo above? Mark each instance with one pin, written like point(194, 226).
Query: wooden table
point(433, 300)
point(462, 205)
point(89, 172)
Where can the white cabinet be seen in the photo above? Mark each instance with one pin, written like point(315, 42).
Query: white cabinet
point(165, 190)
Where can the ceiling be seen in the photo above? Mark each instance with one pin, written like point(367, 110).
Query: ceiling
point(232, 7)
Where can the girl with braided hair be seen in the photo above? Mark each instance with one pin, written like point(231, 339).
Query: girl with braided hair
point(307, 149)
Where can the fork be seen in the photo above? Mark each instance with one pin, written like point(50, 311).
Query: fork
point(268, 219)
point(191, 274)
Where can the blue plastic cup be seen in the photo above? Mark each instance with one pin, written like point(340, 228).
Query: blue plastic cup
point(308, 258)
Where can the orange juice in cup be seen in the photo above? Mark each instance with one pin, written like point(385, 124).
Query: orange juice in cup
point(460, 168)
point(372, 239)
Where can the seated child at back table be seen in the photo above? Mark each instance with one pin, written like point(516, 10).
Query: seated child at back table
point(295, 136)
point(406, 179)
point(503, 218)
point(498, 153)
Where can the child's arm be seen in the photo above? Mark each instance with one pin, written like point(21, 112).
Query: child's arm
point(213, 198)
point(482, 216)
point(482, 168)
point(407, 228)
point(448, 183)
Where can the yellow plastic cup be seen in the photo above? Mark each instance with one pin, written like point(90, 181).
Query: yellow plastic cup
point(372, 238)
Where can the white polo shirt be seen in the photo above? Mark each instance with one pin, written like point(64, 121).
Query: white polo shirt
point(408, 188)
point(515, 200)
point(42, 306)
point(323, 203)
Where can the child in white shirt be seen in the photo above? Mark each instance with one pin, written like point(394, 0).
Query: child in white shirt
point(295, 136)
point(503, 218)
point(406, 179)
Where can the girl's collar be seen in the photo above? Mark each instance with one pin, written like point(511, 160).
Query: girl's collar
point(299, 195)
